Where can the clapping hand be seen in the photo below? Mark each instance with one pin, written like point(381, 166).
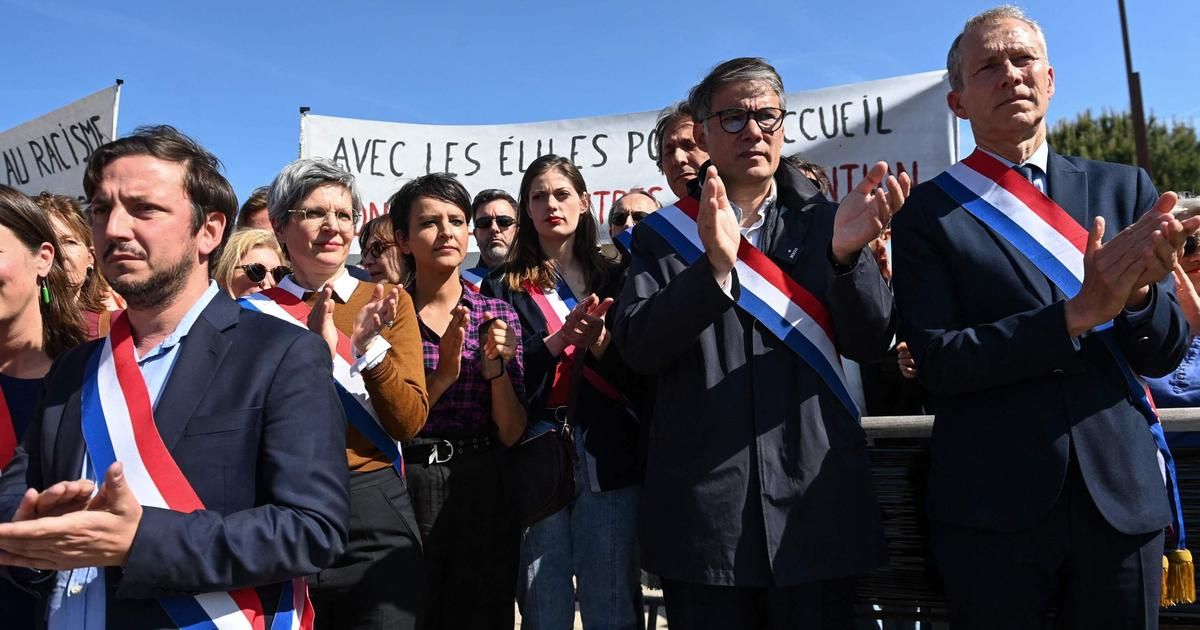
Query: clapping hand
point(380, 311)
point(320, 319)
point(868, 208)
point(499, 347)
point(718, 226)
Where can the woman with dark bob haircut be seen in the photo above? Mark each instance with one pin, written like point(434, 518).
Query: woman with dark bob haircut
point(458, 472)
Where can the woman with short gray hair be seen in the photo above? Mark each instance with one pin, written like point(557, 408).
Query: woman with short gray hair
point(375, 345)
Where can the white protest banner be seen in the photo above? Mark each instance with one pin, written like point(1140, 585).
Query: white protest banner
point(51, 151)
point(903, 121)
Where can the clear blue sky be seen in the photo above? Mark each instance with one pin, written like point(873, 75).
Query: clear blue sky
point(233, 75)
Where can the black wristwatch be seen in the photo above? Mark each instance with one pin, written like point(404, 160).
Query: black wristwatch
point(838, 268)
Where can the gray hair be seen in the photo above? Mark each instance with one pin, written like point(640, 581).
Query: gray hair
point(667, 117)
point(638, 191)
point(737, 70)
point(297, 181)
point(991, 16)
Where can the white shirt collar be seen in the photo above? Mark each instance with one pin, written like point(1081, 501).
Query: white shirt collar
point(343, 284)
point(1039, 158)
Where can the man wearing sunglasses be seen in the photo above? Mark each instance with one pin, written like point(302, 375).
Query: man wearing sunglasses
point(494, 218)
point(757, 505)
point(629, 210)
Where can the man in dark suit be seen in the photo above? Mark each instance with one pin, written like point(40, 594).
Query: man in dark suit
point(244, 404)
point(757, 504)
point(1045, 488)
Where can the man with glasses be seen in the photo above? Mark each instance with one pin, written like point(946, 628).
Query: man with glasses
point(494, 217)
point(757, 506)
point(629, 210)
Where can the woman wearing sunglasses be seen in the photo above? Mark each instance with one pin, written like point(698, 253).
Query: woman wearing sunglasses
point(457, 466)
point(562, 288)
point(380, 257)
point(375, 346)
point(251, 262)
point(38, 321)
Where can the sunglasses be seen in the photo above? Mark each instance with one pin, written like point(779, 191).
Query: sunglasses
point(620, 216)
point(485, 223)
point(257, 272)
point(376, 248)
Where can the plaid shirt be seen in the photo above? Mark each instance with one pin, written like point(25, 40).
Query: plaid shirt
point(465, 410)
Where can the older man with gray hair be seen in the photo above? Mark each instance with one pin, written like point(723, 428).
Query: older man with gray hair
point(757, 506)
point(1045, 486)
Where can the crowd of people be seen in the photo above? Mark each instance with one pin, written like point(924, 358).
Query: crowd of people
point(211, 417)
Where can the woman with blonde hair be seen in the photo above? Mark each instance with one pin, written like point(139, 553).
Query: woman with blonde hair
point(251, 262)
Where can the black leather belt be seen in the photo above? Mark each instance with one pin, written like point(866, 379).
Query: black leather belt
point(443, 450)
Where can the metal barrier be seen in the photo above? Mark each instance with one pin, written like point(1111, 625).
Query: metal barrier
point(1173, 420)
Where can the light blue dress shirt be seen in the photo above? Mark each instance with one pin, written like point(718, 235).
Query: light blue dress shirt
point(78, 599)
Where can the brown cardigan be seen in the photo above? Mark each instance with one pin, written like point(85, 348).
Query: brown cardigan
point(396, 386)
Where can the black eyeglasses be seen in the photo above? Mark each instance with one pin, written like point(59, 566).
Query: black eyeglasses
point(734, 120)
point(620, 216)
point(257, 272)
point(377, 247)
point(485, 223)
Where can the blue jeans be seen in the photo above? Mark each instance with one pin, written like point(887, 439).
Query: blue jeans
point(593, 538)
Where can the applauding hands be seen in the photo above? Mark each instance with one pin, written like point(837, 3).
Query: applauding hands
point(1118, 274)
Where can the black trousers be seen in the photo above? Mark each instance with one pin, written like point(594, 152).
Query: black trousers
point(471, 532)
point(379, 582)
point(825, 605)
point(1073, 560)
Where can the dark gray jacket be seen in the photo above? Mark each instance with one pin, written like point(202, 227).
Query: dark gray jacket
point(756, 475)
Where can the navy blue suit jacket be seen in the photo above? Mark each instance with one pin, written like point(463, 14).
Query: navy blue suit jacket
point(1014, 399)
point(252, 419)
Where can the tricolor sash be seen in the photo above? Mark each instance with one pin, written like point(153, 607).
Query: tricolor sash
point(1054, 242)
point(474, 277)
point(351, 389)
point(8, 432)
point(555, 305)
point(768, 294)
point(118, 425)
point(625, 238)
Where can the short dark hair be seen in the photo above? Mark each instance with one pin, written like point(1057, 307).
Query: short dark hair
point(732, 71)
point(484, 197)
point(255, 202)
point(380, 225)
point(440, 186)
point(206, 188)
point(667, 117)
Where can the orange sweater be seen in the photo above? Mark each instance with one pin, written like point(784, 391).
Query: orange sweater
point(396, 386)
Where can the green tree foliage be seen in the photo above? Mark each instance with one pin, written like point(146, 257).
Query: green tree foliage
point(1174, 149)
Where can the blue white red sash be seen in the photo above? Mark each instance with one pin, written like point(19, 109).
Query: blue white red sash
point(474, 276)
point(8, 432)
point(118, 425)
point(555, 305)
point(1055, 243)
point(625, 238)
point(770, 296)
point(351, 389)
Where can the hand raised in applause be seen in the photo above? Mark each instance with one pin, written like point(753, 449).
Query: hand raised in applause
point(499, 347)
point(718, 227)
point(450, 347)
point(379, 312)
point(98, 536)
point(320, 319)
point(863, 214)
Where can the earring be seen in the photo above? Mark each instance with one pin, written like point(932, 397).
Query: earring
point(45, 289)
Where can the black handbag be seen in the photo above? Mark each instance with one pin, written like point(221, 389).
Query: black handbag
point(544, 465)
